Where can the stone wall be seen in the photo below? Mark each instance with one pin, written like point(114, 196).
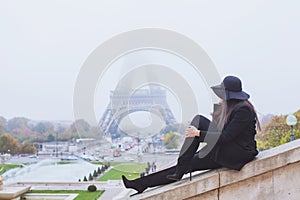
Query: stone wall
point(274, 174)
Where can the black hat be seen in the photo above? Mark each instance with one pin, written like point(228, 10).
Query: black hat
point(230, 88)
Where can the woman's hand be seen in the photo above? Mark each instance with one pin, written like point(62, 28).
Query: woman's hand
point(192, 131)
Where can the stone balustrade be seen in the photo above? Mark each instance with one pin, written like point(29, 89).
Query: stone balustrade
point(274, 174)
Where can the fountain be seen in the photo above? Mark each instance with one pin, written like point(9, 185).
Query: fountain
point(39, 172)
point(4, 158)
point(46, 170)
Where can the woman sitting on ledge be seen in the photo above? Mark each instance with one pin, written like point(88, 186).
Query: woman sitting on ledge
point(229, 137)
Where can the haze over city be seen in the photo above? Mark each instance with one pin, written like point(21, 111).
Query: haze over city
point(44, 45)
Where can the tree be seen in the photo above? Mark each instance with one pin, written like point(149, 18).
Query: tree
point(102, 168)
point(27, 148)
point(23, 134)
point(77, 129)
point(43, 127)
point(8, 143)
point(90, 177)
point(80, 126)
point(276, 132)
point(19, 127)
point(169, 128)
point(171, 140)
point(22, 129)
point(50, 138)
point(95, 174)
point(92, 188)
point(3, 125)
point(17, 122)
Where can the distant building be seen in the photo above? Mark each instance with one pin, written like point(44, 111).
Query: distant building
point(85, 140)
point(52, 147)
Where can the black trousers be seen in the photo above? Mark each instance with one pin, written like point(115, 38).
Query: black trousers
point(188, 159)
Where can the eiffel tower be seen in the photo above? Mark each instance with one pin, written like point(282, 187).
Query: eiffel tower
point(124, 102)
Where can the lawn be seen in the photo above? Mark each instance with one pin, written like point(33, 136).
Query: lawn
point(111, 163)
point(6, 167)
point(64, 163)
point(83, 195)
point(130, 170)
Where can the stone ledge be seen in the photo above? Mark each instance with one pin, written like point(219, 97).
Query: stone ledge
point(10, 192)
point(37, 196)
point(185, 188)
point(209, 183)
point(266, 161)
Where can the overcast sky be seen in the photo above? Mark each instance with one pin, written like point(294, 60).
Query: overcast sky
point(43, 45)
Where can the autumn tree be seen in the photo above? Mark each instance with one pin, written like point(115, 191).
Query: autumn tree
point(44, 127)
point(8, 143)
point(23, 134)
point(25, 130)
point(171, 140)
point(19, 127)
point(80, 129)
point(276, 132)
point(27, 148)
point(180, 128)
point(17, 122)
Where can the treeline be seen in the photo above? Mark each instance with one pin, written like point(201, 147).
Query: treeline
point(11, 145)
point(277, 132)
point(24, 131)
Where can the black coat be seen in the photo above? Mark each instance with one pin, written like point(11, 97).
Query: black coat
point(235, 145)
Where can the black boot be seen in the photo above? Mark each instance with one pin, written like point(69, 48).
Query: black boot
point(133, 185)
point(187, 152)
point(177, 176)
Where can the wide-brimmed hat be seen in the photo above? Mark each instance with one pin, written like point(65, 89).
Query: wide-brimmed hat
point(230, 88)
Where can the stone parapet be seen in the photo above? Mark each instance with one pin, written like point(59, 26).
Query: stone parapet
point(274, 174)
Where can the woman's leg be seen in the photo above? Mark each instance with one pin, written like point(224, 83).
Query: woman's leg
point(151, 180)
point(199, 162)
point(191, 145)
point(159, 178)
point(187, 152)
point(189, 148)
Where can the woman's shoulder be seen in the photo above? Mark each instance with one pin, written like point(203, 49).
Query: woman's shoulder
point(244, 109)
point(243, 105)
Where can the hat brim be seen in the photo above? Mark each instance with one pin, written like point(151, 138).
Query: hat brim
point(222, 93)
point(219, 90)
point(238, 95)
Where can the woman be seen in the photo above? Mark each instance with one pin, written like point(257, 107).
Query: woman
point(229, 137)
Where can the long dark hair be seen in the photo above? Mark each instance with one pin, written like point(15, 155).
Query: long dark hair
point(221, 116)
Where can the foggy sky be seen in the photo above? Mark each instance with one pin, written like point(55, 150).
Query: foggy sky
point(43, 45)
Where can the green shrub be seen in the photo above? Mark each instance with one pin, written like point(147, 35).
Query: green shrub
point(92, 188)
point(95, 174)
point(85, 179)
point(90, 177)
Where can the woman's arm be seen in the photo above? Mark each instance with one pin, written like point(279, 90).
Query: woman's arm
point(192, 131)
